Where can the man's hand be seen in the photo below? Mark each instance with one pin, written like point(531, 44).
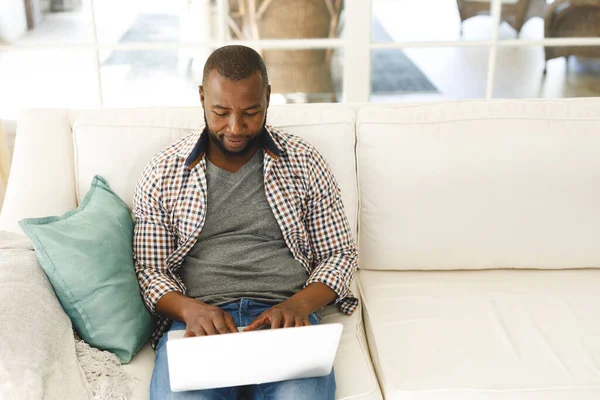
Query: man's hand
point(202, 320)
point(295, 310)
point(288, 314)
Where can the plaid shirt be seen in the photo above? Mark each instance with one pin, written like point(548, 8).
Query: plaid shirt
point(170, 210)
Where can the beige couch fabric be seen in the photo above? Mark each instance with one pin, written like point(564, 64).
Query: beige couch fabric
point(463, 185)
point(479, 185)
point(493, 335)
point(4, 164)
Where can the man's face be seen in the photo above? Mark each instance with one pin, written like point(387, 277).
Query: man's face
point(235, 111)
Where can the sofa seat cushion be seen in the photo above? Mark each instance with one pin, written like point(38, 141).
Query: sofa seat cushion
point(141, 367)
point(354, 375)
point(495, 334)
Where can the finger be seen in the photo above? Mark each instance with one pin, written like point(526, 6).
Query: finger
point(306, 322)
point(230, 323)
point(189, 334)
point(259, 321)
point(276, 320)
point(209, 328)
point(298, 322)
point(221, 325)
point(199, 331)
point(288, 320)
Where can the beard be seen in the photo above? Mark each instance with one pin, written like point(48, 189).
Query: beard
point(253, 139)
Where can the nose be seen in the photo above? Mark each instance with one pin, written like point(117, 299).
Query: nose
point(235, 125)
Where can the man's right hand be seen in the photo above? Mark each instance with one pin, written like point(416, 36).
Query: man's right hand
point(200, 318)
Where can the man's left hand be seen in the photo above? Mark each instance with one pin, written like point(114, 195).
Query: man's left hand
point(283, 315)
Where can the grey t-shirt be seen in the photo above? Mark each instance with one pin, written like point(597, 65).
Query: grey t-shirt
point(241, 251)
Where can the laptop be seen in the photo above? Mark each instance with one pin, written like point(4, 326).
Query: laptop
point(246, 358)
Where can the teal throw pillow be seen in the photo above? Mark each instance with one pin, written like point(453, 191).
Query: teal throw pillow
point(88, 258)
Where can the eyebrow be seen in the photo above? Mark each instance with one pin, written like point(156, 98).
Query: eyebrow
point(245, 109)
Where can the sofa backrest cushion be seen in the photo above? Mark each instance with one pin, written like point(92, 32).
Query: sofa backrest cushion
point(480, 185)
point(118, 144)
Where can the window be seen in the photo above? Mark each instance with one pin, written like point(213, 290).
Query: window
point(127, 53)
point(452, 49)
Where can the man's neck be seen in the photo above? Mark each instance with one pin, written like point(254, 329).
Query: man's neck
point(229, 162)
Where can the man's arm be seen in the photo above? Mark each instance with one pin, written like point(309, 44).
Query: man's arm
point(153, 241)
point(313, 297)
point(334, 248)
point(295, 310)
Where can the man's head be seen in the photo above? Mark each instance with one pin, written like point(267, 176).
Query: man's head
point(235, 94)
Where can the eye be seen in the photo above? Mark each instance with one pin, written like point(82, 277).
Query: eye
point(251, 114)
point(219, 115)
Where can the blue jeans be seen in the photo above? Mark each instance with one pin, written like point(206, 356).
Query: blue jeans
point(243, 312)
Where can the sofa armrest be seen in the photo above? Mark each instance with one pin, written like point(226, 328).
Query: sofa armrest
point(42, 168)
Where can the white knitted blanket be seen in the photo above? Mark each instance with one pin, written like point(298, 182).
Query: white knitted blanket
point(40, 357)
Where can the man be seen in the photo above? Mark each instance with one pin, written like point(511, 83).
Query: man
point(240, 225)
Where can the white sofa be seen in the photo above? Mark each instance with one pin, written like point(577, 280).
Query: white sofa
point(478, 226)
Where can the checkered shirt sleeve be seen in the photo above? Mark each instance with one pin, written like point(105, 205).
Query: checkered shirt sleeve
point(153, 241)
point(335, 251)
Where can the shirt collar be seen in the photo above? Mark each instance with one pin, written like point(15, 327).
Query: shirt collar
point(194, 150)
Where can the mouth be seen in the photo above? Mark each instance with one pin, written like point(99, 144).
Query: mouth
point(235, 142)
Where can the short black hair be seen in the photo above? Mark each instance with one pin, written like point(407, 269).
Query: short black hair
point(236, 62)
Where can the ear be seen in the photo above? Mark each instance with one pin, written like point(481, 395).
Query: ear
point(201, 91)
point(268, 95)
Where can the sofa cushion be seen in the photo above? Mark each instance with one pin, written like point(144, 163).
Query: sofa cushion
point(354, 374)
point(133, 136)
point(140, 368)
point(477, 185)
point(503, 334)
point(86, 253)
